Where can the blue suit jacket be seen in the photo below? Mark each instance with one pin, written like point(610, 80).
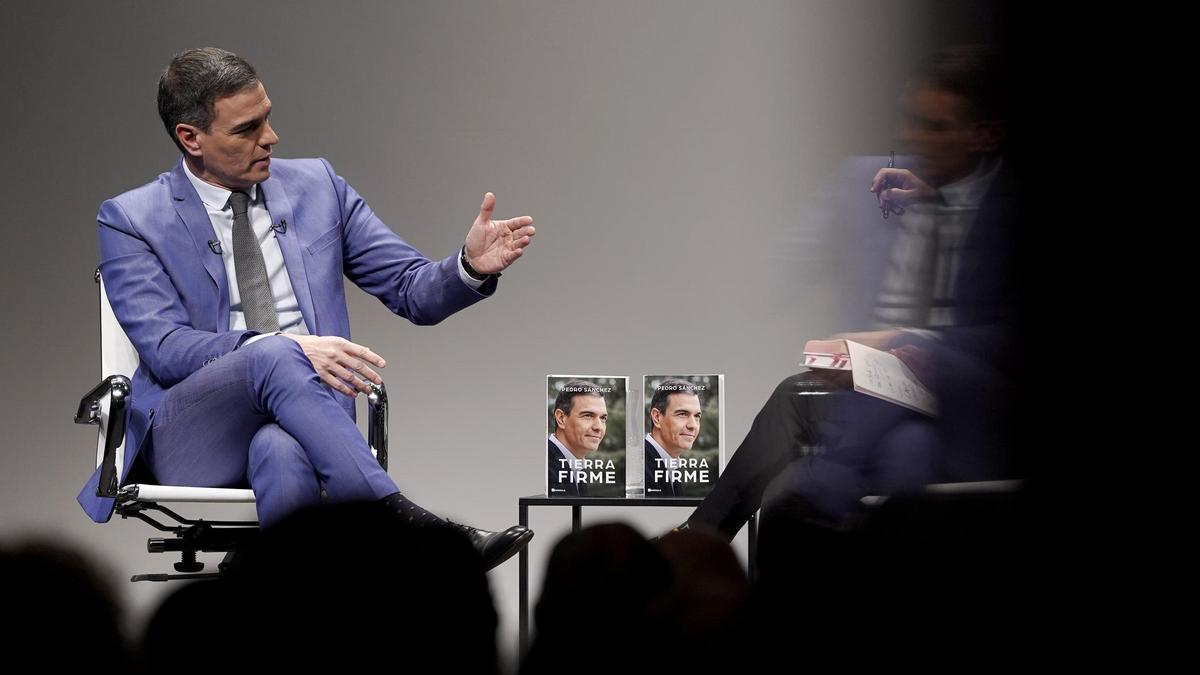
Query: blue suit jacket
point(170, 293)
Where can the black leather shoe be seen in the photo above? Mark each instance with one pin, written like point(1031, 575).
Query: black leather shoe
point(495, 547)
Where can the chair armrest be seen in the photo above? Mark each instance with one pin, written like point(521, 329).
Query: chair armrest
point(117, 388)
point(89, 405)
point(377, 423)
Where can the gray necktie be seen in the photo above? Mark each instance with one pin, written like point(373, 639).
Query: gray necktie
point(258, 305)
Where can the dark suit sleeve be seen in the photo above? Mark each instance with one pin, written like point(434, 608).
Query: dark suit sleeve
point(649, 454)
point(148, 306)
point(384, 265)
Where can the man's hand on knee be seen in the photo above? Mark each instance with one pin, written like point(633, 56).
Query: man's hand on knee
point(340, 363)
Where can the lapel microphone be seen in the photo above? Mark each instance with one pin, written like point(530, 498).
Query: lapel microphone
point(280, 228)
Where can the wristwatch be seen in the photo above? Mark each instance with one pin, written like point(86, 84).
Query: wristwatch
point(462, 256)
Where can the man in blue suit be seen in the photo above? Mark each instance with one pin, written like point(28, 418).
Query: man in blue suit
point(226, 274)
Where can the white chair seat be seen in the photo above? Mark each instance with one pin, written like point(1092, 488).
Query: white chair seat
point(177, 493)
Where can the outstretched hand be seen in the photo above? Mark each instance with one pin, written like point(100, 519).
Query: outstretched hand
point(493, 245)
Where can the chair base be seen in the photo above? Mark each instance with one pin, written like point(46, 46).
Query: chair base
point(190, 537)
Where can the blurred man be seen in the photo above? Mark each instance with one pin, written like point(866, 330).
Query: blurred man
point(949, 297)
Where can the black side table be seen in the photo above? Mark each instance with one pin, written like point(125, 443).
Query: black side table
point(577, 504)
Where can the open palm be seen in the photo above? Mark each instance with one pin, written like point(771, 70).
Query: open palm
point(493, 245)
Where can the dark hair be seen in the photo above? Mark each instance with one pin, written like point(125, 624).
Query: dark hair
point(193, 80)
point(662, 393)
point(975, 72)
point(568, 392)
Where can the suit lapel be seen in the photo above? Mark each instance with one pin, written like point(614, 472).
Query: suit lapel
point(280, 208)
point(195, 217)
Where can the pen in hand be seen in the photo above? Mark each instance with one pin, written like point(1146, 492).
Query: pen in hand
point(891, 165)
point(885, 205)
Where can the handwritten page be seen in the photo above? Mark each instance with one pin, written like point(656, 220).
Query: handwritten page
point(884, 375)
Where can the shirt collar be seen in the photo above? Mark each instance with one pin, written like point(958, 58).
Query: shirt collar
point(662, 453)
point(213, 196)
point(561, 448)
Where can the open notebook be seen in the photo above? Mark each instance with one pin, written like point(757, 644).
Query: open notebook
point(875, 373)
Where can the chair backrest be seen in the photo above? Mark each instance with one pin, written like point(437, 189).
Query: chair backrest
point(117, 357)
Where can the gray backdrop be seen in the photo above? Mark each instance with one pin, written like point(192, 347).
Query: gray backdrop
point(674, 154)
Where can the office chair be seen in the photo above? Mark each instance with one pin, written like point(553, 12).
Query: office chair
point(138, 496)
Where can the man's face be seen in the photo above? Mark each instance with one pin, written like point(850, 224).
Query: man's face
point(676, 428)
point(583, 429)
point(937, 128)
point(235, 151)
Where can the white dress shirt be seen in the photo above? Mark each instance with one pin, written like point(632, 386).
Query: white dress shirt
point(917, 291)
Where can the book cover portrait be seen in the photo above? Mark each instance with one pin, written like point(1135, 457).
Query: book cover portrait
point(683, 434)
point(585, 442)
